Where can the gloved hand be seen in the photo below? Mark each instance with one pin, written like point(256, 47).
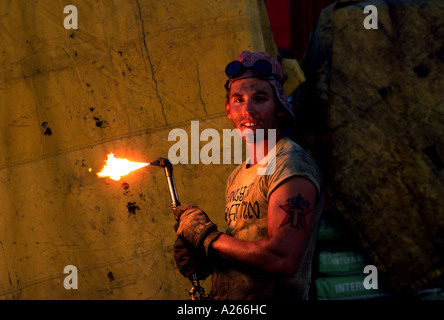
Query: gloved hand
point(188, 261)
point(195, 227)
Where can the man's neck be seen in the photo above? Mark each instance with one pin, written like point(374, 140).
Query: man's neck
point(259, 149)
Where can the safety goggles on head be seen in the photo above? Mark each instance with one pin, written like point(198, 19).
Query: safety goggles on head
point(261, 68)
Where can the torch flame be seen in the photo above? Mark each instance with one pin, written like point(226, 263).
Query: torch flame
point(115, 168)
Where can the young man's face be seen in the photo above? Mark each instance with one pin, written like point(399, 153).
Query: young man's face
point(252, 105)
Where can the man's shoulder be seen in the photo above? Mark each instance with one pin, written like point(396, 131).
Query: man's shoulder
point(289, 152)
point(293, 160)
point(287, 145)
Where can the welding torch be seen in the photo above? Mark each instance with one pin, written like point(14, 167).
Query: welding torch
point(167, 165)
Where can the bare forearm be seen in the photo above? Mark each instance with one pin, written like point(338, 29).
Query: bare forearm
point(252, 254)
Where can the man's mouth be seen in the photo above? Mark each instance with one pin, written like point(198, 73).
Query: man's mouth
point(250, 124)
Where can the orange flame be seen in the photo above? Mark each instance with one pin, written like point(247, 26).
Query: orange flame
point(115, 168)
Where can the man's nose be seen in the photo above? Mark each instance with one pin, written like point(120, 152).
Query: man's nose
point(249, 107)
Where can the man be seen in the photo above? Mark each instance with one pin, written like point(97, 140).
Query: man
point(272, 218)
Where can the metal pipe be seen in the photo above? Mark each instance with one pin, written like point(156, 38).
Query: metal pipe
point(166, 164)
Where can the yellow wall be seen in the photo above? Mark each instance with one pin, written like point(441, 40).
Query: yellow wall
point(133, 71)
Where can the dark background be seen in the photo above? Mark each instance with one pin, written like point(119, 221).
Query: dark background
point(292, 22)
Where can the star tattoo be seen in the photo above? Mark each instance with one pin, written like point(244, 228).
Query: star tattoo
point(297, 205)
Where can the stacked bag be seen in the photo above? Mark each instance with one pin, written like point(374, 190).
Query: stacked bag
point(434, 291)
point(338, 266)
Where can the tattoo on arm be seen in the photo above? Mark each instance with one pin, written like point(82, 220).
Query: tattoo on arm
point(297, 205)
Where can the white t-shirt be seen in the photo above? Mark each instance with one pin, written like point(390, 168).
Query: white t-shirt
point(247, 196)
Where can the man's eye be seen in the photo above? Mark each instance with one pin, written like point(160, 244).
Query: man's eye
point(260, 98)
point(238, 100)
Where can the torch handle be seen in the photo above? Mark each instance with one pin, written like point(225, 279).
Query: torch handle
point(166, 164)
point(172, 186)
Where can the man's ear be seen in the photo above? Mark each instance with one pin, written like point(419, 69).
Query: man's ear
point(227, 109)
point(281, 114)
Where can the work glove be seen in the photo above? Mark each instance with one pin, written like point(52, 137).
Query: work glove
point(195, 227)
point(189, 262)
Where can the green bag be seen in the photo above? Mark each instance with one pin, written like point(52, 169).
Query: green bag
point(343, 287)
point(341, 263)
